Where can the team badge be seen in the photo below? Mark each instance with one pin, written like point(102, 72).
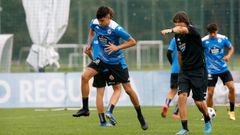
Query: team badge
point(219, 40)
point(109, 31)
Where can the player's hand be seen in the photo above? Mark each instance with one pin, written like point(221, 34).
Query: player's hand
point(166, 31)
point(226, 58)
point(87, 49)
point(111, 48)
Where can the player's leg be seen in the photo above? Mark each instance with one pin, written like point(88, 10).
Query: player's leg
point(134, 99)
point(113, 101)
point(199, 88)
point(100, 107)
point(171, 93)
point(228, 81)
point(122, 76)
point(184, 89)
point(212, 80)
point(87, 74)
point(100, 83)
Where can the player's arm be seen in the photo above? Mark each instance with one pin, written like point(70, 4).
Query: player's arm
point(176, 30)
point(169, 56)
point(230, 53)
point(87, 49)
point(129, 43)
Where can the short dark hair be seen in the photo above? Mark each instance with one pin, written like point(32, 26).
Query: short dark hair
point(212, 27)
point(111, 13)
point(102, 12)
point(181, 16)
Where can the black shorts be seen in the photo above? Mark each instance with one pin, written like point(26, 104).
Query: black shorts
point(116, 73)
point(174, 81)
point(225, 77)
point(196, 81)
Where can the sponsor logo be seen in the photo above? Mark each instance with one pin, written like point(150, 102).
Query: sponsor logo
point(215, 50)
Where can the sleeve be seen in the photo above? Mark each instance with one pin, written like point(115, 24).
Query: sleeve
point(172, 45)
point(91, 24)
point(227, 42)
point(122, 33)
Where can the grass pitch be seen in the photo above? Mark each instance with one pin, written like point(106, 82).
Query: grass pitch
point(30, 122)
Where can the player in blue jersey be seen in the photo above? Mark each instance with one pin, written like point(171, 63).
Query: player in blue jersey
point(99, 82)
point(214, 45)
point(193, 74)
point(172, 54)
point(110, 57)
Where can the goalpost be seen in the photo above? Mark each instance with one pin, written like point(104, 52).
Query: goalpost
point(149, 53)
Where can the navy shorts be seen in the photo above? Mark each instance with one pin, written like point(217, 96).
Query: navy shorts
point(225, 77)
point(195, 80)
point(115, 74)
point(174, 81)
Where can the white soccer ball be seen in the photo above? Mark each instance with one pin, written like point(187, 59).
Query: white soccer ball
point(211, 113)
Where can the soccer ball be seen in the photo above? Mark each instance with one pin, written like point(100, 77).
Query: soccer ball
point(211, 113)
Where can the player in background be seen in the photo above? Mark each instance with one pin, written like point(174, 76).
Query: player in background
point(100, 81)
point(172, 54)
point(193, 73)
point(111, 57)
point(214, 45)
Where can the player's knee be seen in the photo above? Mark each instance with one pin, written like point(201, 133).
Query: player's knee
point(84, 78)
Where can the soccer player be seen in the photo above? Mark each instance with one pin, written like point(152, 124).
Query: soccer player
point(100, 81)
point(172, 54)
point(110, 57)
point(193, 73)
point(214, 45)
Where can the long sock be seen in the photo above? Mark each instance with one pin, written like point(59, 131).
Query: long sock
point(101, 117)
point(232, 104)
point(176, 110)
point(85, 103)
point(168, 101)
point(138, 110)
point(206, 118)
point(184, 124)
point(110, 108)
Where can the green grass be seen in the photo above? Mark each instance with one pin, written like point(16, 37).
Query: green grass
point(30, 122)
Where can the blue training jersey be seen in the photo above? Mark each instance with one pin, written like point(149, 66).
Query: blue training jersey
point(111, 33)
point(95, 47)
point(96, 50)
point(214, 52)
point(173, 47)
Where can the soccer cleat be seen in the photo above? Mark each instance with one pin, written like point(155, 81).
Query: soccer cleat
point(164, 111)
point(231, 115)
point(208, 127)
point(175, 116)
point(143, 123)
point(182, 132)
point(111, 118)
point(105, 124)
point(81, 112)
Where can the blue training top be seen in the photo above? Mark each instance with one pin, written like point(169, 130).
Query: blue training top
point(111, 33)
point(173, 47)
point(214, 51)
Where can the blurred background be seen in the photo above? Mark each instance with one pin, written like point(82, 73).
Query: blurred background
point(143, 19)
